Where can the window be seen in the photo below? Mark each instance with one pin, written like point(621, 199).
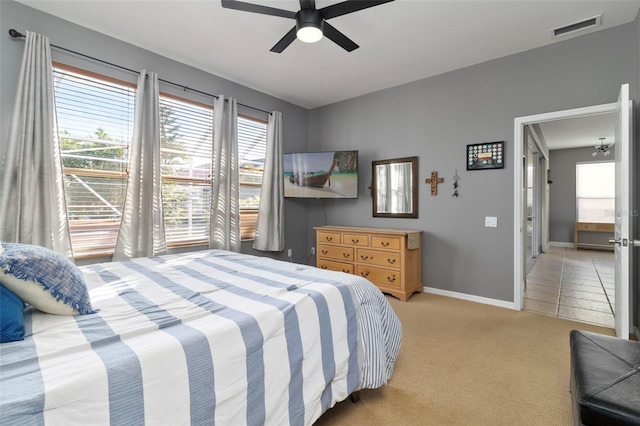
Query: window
point(595, 190)
point(187, 138)
point(95, 122)
point(252, 148)
point(95, 127)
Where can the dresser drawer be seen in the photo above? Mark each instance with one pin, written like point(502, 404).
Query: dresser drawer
point(390, 258)
point(355, 240)
point(386, 277)
point(595, 227)
point(343, 253)
point(329, 237)
point(385, 242)
point(586, 227)
point(605, 227)
point(335, 266)
point(387, 259)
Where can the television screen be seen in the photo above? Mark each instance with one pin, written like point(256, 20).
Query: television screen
point(328, 174)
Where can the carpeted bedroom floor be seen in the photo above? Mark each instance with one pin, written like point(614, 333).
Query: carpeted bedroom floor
point(465, 363)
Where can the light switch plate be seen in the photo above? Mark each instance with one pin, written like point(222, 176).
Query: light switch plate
point(490, 222)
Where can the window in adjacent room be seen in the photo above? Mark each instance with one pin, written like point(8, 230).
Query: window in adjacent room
point(95, 122)
point(595, 190)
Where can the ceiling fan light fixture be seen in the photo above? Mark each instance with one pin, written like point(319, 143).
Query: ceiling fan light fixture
point(309, 34)
point(309, 25)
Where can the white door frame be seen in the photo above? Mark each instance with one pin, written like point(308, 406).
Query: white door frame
point(543, 192)
point(518, 225)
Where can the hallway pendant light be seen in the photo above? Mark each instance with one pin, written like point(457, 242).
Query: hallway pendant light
point(602, 148)
point(309, 25)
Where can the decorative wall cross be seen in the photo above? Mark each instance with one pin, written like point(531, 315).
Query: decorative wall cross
point(434, 180)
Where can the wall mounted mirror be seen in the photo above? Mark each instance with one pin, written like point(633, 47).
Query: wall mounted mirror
point(394, 187)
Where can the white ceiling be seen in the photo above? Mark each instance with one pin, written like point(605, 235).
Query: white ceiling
point(579, 132)
point(401, 41)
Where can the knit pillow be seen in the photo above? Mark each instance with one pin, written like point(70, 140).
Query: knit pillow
point(44, 279)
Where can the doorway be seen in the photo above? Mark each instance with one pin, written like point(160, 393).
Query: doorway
point(530, 211)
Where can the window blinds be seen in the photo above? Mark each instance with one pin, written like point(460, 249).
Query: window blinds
point(95, 127)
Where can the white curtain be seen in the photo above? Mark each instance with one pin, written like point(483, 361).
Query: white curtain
point(32, 204)
point(142, 227)
point(407, 193)
point(224, 227)
point(270, 227)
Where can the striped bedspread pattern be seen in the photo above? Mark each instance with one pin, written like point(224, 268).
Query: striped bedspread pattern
point(204, 338)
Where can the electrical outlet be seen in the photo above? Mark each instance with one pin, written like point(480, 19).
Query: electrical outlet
point(313, 250)
point(289, 252)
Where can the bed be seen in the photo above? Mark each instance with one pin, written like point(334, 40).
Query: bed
point(202, 338)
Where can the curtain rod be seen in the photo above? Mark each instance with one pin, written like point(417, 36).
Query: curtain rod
point(16, 34)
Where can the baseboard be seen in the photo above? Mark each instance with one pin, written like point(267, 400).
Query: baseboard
point(637, 333)
point(560, 244)
point(470, 297)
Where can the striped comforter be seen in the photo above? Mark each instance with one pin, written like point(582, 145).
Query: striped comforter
point(202, 338)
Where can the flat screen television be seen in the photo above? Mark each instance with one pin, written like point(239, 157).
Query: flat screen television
point(327, 174)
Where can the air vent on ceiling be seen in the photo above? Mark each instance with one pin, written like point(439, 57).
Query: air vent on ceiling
point(577, 26)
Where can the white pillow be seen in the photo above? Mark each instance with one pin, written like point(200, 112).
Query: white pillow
point(44, 279)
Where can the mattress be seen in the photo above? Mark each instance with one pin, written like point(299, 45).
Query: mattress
point(202, 338)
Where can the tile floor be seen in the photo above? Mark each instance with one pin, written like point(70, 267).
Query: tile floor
point(572, 284)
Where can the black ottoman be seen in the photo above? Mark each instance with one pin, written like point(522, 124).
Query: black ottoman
point(605, 379)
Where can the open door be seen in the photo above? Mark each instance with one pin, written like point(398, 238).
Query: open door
point(623, 227)
point(624, 200)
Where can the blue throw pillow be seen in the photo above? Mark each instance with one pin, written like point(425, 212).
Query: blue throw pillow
point(11, 317)
point(44, 279)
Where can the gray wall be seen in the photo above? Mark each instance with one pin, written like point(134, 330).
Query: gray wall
point(70, 36)
point(436, 117)
point(562, 193)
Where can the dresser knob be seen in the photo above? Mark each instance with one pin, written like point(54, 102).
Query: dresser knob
point(364, 274)
point(324, 251)
point(329, 238)
point(392, 261)
point(323, 267)
point(354, 241)
point(346, 255)
point(391, 279)
point(364, 257)
point(384, 243)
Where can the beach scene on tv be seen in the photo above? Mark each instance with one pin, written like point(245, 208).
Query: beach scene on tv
point(330, 174)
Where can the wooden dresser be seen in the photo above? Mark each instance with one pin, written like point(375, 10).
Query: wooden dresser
point(389, 258)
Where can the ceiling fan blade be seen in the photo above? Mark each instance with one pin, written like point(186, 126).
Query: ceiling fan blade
point(345, 7)
point(256, 8)
point(285, 41)
point(307, 4)
point(338, 38)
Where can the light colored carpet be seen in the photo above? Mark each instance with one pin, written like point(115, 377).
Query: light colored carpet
point(465, 363)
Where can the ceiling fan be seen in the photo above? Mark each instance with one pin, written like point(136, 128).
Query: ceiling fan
point(311, 23)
